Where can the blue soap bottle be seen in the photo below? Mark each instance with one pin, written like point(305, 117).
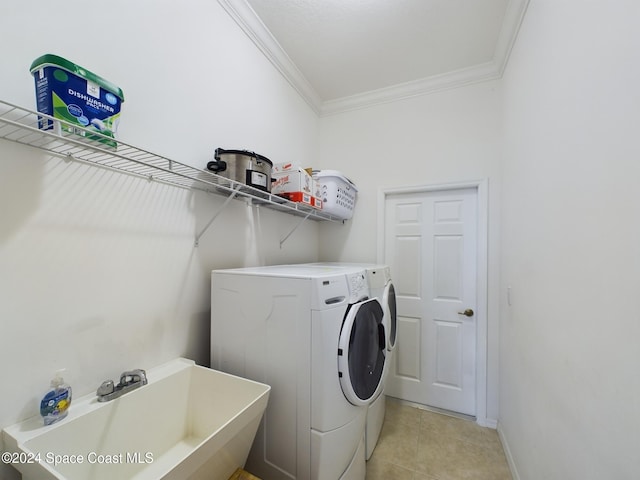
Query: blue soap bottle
point(55, 404)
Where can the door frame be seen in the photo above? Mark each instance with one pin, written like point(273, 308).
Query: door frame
point(482, 190)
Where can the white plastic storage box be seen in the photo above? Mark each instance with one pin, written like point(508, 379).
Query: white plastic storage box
point(79, 98)
point(337, 192)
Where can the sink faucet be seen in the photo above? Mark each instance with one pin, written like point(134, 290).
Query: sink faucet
point(128, 381)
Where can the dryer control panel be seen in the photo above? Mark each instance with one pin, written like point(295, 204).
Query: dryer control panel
point(358, 286)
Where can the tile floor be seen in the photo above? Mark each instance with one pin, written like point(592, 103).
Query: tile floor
point(417, 444)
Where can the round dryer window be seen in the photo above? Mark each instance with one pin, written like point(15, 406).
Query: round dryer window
point(361, 352)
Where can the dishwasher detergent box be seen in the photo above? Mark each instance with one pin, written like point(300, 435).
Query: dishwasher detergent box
point(88, 105)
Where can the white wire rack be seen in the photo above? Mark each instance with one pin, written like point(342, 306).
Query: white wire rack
point(20, 125)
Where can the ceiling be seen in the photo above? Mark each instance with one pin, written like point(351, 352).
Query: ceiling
point(346, 54)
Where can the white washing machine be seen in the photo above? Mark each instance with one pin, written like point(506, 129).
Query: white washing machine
point(315, 336)
point(380, 287)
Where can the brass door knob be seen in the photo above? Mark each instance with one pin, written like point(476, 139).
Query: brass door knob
point(467, 313)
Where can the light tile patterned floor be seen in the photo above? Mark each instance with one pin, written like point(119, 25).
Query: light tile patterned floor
point(417, 444)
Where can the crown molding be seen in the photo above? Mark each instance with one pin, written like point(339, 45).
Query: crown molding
point(511, 23)
point(247, 19)
point(436, 83)
point(254, 28)
point(491, 70)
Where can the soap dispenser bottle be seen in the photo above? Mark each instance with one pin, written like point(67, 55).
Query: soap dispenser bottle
point(55, 404)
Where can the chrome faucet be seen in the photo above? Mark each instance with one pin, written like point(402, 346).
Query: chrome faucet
point(128, 381)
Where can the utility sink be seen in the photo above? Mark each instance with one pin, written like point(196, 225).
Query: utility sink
point(188, 422)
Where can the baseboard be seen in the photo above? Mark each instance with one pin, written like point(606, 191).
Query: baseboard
point(487, 422)
point(507, 453)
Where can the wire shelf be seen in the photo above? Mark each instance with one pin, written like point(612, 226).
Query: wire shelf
point(20, 125)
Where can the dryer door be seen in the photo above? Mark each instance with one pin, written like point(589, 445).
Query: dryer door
point(361, 352)
point(389, 301)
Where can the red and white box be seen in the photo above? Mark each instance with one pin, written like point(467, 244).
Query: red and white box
point(294, 183)
point(301, 197)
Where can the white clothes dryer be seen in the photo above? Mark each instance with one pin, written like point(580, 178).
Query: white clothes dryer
point(380, 287)
point(315, 336)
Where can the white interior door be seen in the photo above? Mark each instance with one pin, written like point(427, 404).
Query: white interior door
point(431, 246)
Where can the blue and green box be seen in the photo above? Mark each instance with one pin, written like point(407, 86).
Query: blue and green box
point(81, 98)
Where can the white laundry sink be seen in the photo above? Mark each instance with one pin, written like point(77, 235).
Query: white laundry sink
point(188, 422)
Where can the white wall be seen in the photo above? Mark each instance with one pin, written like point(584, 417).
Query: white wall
point(98, 270)
point(447, 137)
point(569, 382)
